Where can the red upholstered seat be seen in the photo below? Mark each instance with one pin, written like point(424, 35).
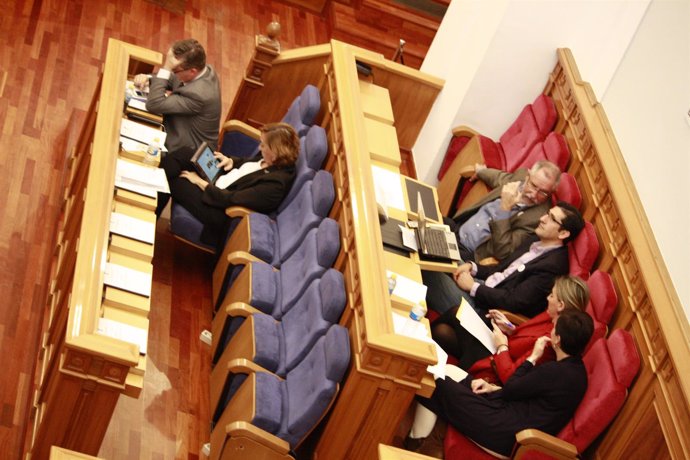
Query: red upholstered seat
point(568, 191)
point(532, 125)
point(583, 252)
point(554, 148)
point(611, 365)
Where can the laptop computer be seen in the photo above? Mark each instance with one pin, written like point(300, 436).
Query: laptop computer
point(434, 243)
point(206, 164)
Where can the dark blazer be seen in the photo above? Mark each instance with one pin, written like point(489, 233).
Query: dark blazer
point(524, 291)
point(506, 234)
point(261, 191)
point(191, 112)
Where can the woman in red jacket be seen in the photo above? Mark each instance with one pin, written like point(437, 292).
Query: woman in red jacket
point(513, 343)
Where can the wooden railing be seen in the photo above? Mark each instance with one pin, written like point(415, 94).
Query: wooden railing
point(80, 374)
point(655, 421)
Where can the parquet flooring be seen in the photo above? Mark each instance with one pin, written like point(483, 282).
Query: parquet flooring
point(51, 55)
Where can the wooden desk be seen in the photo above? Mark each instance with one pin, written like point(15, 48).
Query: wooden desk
point(81, 374)
point(387, 370)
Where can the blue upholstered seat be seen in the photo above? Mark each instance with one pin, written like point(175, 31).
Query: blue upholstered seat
point(300, 115)
point(278, 345)
point(275, 240)
point(273, 291)
point(290, 408)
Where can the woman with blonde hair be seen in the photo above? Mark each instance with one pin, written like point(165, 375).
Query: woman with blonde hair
point(259, 183)
point(513, 343)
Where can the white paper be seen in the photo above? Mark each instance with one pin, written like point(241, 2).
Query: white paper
point(140, 132)
point(407, 289)
point(388, 189)
point(470, 320)
point(125, 332)
point(139, 104)
point(131, 174)
point(131, 227)
point(127, 279)
point(455, 373)
point(406, 326)
point(409, 238)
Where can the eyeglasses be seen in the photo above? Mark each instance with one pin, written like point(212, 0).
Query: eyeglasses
point(553, 218)
point(540, 192)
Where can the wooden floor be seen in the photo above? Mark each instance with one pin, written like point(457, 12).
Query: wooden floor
point(51, 55)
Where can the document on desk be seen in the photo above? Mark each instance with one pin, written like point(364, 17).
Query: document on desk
point(387, 187)
point(470, 320)
point(407, 289)
point(141, 133)
point(404, 325)
point(125, 332)
point(141, 179)
point(131, 227)
point(127, 279)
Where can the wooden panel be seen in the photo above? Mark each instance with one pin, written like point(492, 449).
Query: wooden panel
point(653, 423)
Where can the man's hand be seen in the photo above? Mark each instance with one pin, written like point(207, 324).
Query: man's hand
point(481, 386)
point(141, 81)
point(224, 163)
point(171, 62)
point(477, 167)
point(510, 195)
point(194, 179)
point(465, 281)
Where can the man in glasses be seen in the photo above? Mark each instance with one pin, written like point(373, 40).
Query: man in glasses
point(496, 225)
point(522, 281)
point(186, 91)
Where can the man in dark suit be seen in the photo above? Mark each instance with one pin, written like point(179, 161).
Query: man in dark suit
point(521, 282)
point(186, 92)
point(496, 225)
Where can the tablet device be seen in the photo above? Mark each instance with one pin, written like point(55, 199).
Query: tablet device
point(206, 164)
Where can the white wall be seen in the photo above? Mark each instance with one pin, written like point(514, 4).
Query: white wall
point(636, 55)
point(497, 57)
point(646, 103)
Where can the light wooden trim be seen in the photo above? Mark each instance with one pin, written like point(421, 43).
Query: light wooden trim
point(655, 420)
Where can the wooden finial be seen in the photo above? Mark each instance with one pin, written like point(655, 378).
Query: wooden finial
point(271, 37)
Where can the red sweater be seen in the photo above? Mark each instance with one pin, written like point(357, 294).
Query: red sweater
point(520, 346)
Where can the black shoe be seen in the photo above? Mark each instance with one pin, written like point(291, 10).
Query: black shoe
point(413, 444)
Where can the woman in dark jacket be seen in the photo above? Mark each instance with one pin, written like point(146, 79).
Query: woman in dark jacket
point(543, 397)
point(258, 183)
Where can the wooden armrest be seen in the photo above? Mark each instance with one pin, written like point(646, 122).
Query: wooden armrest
point(240, 309)
point(467, 171)
point(245, 366)
point(514, 318)
point(488, 261)
point(242, 127)
point(463, 130)
point(536, 440)
point(247, 430)
point(242, 258)
point(237, 211)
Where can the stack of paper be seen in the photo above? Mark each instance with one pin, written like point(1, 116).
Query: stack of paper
point(140, 179)
point(124, 332)
point(131, 227)
point(127, 279)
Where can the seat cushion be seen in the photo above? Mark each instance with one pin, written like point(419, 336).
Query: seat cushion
point(269, 402)
point(262, 237)
point(184, 225)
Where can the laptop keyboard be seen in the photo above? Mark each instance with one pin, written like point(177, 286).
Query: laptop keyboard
point(436, 243)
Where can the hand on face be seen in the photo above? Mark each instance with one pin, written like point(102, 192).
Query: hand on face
point(171, 62)
point(510, 195)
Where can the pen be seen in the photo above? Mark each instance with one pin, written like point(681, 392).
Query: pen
point(509, 324)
